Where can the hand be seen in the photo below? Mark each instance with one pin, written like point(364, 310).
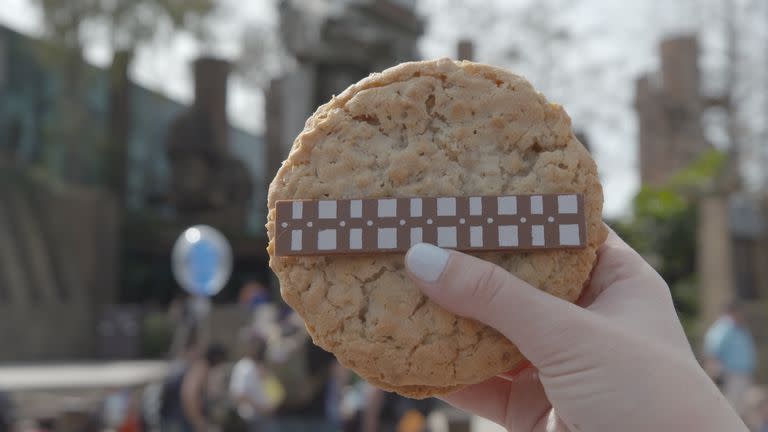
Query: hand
point(617, 361)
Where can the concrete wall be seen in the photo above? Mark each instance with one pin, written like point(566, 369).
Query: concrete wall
point(226, 322)
point(46, 332)
point(58, 265)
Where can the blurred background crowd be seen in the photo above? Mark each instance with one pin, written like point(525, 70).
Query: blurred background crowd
point(123, 122)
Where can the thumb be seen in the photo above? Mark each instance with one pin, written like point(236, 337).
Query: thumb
point(539, 324)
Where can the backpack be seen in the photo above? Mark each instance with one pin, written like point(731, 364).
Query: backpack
point(170, 396)
point(295, 373)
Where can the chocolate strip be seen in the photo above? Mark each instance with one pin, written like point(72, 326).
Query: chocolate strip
point(393, 225)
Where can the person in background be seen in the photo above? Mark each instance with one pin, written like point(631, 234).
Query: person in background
point(334, 393)
point(390, 412)
point(7, 418)
point(253, 390)
point(756, 415)
point(264, 312)
point(730, 355)
point(184, 396)
point(308, 375)
point(168, 411)
point(762, 413)
point(189, 314)
point(253, 294)
point(193, 387)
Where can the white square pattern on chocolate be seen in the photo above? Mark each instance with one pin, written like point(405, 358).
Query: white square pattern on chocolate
point(507, 205)
point(537, 204)
point(508, 235)
point(298, 206)
point(356, 208)
point(537, 235)
point(567, 204)
point(326, 209)
point(415, 207)
point(504, 222)
point(446, 206)
point(416, 236)
point(476, 236)
point(326, 239)
point(446, 237)
point(569, 235)
point(387, 208)
point(475, 206)
point(356, 238)
point(387, 238)
point(296, 240)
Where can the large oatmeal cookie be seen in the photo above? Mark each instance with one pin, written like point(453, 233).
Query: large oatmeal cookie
point(433, 128)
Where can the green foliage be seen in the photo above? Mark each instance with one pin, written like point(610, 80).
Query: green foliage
point(83, 144)
point(663, 228)
point(123, 23)
point(701, 172)
point(156, 335)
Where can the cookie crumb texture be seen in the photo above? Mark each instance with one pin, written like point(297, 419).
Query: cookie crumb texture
point(433, 128)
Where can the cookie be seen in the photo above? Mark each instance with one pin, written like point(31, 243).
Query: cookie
point(428, 129)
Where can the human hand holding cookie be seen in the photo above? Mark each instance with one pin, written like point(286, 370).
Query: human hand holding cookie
point(471, 157)
point(618, 360)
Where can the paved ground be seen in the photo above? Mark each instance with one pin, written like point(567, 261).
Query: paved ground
point(45, 389)
point(49, 389)
point(81, 375)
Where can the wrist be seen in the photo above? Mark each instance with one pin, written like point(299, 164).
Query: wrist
point(701, 406)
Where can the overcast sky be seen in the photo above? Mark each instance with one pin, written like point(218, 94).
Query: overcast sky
point(612, 43)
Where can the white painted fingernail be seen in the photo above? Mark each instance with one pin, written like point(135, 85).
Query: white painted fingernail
point(426, 261)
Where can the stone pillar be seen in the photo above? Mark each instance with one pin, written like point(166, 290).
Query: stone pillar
point(211, 79)
point(120, 123)
point(682, 100)
point(3, 64)
point(680, 70)
point(714, 264)
point(290, 101)
point(465, 50)
point(583, 139)
point(652, 132)
point(669, 107)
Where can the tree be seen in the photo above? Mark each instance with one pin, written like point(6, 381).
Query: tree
point(662, 228)
point(123, 25)
point(263, 56)
point(734, 63)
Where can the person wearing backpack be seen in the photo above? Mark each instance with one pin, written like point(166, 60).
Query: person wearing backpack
point(306, 373)
point(7, 418)
point(183, 402)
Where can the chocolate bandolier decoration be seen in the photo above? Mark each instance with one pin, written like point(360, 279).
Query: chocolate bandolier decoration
point(381, 225)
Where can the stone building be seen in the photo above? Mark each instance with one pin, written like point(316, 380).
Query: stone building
point(69, 249)
point(669, 108)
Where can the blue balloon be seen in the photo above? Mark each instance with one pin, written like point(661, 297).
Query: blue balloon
point(202, 261)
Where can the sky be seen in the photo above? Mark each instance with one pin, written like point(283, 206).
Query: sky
point(592, 74)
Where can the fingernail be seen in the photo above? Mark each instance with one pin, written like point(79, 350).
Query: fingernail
point(426, 261)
